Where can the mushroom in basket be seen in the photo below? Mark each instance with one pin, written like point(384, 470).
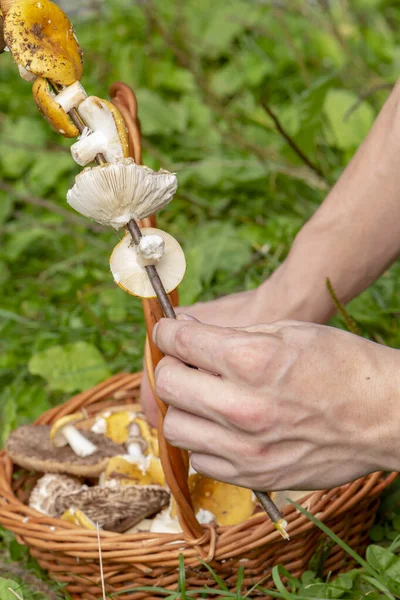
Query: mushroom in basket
point(61, 448)
point(113, 508)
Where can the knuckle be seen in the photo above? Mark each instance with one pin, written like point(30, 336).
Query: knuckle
point(182, 340)
point(164, 378)
point(170, 427)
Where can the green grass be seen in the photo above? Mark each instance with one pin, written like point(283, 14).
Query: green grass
point(213, 79)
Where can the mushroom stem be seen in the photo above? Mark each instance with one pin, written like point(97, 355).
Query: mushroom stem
point(88, 147)
point(154, 277)
point(71, 96)
point(79, 444)
point(78, 121)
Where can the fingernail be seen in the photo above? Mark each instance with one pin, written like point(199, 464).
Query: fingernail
point(183, 317)
point(154, 334)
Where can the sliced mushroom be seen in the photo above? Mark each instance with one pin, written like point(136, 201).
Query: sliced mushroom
point(48, 488)
point(128, 266)
point(114, 194)
point(116, 508)
point(54, 107)
point(63, 432)
point(42, 40)
point(51, 110)
point(30, 447)
point(106, 133)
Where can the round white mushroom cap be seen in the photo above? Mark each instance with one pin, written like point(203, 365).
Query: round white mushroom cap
point(128, 266)
point(114, 194)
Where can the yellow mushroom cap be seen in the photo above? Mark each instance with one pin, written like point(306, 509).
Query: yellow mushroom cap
point(42, 40)
point(65, 421)
point(51, 110)
point(128, 267)
point(231, 505)
point(127, 472)
point(77, 517)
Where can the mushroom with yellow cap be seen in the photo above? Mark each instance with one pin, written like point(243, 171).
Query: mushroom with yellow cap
point(114, 194)
point(128, 264)
point(106, 133)
point(54, 107)
point(63, 432)
point(42, 40)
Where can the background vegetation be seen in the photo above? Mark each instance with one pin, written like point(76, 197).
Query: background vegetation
point(257, 105)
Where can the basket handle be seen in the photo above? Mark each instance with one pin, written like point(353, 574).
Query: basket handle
point(175, 462)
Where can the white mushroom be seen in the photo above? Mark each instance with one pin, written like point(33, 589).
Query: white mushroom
point(114, 194)
point(47, 490)
point(164, 523)
point(63, 433)
point(128, 266)
point(107, 133)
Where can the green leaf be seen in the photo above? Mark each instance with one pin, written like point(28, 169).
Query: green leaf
point(5, 586)
point(70, 368)
point(47, 170)
point(347, 125)
point(158, 116)
point(214, 247)
point(6, 206)
point(24, 240)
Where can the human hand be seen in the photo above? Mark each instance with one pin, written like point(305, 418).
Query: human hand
point(234, 310)
point(287, 405)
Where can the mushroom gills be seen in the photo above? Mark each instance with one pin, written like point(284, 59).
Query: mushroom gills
point(114, 194)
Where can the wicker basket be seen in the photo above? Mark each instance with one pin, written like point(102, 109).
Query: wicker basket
point(70, 554)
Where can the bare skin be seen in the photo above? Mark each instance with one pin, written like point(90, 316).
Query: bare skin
point(287, 405)
point(352, 239)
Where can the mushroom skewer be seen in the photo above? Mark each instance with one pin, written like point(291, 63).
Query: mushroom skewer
point(263, 497)
point(132, 226)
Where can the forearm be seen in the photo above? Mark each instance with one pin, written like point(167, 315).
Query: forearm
point(355, 234)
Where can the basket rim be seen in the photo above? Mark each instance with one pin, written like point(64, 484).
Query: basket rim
point(39, 531)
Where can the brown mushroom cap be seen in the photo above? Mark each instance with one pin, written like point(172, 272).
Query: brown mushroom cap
point(116, 508)
point(41, 39)
point(51, 110)
point(30, 447)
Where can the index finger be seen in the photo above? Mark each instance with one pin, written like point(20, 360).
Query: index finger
point(194, 343)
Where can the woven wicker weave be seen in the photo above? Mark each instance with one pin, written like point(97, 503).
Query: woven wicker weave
point(71, 554)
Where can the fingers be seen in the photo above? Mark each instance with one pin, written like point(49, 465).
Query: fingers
point(193, 343)
point(214, 467)
point(192, 391)
point(197, 434)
